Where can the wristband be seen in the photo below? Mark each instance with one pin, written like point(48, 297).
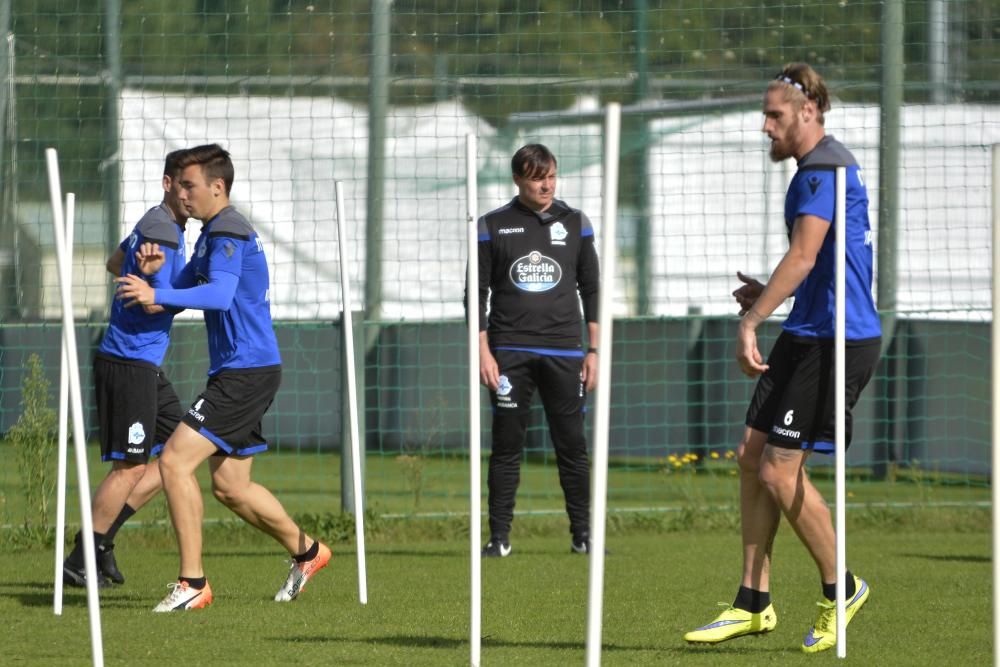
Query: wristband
point(591, 350)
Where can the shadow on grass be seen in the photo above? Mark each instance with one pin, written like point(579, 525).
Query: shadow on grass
point(409, 641)
point(419, 553)
point(951, 559)
point(71, 599)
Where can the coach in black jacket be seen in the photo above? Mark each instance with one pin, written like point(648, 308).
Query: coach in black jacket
point(537, 263)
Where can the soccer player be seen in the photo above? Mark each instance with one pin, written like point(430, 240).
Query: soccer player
point(228, 279)
point(136, 404)
point(537, 262)
point(791, 414)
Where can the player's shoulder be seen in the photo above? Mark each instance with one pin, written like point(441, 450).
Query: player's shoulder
point(502, 213)
point(571, 216)
point(157, 223)
point(230, 222)
point(827, 156)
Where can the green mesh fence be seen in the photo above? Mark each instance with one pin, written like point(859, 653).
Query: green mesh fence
point(379, 96)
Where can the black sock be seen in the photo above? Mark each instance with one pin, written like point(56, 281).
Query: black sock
point(196, 583)
point(751, 600)
point(309, 554)
point(123, 516)
point(830, 590)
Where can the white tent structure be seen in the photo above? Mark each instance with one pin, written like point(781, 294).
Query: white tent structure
point(715, 202)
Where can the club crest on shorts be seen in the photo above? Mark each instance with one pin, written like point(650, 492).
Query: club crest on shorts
point(136, 434)
point(504, 387)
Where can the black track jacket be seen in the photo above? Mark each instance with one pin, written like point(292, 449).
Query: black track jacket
point(532, 266)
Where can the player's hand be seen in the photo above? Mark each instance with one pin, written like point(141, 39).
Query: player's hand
point(747, 354)
point(489, 371)
point(134, 290)
point(589, 372)
point(149, 258)
point(747, 294)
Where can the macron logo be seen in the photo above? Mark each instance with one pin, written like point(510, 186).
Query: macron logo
point(511, 230)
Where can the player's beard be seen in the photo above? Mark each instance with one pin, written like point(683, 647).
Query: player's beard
point(782, 150)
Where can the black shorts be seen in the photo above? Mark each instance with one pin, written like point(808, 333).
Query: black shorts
point(230, 409)
point(556, 377)
point(795, 399)
point(137, 408)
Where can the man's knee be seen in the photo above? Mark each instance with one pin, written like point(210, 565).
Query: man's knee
point(127, 471)
point(750, 452)
point(227, 492)
point(568, 434)
point(778, 472)
point(508, 433)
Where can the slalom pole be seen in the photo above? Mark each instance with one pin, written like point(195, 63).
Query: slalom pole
point(57, 601)
point(840, 406)
point(347, 321)
point(63, 254)
point(599, 491)
point(475, 481)
point(995, 473)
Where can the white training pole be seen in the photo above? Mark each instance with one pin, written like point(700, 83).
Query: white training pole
point(57, 601)
point(76, 403)
point(840, 406)
point(352, 393)
point(599, 488)
point(995, 473)
point(472, 312)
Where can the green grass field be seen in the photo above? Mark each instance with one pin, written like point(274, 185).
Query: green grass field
point(930, 604)
point(927, 560)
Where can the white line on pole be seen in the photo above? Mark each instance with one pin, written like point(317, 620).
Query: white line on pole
point(352, 393)
point(472, 316)
point(840, 406)
point(599, 490)
point(63, 254)
point(995, 472)
point(57, 601)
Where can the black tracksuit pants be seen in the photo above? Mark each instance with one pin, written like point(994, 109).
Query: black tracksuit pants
point(557, 380)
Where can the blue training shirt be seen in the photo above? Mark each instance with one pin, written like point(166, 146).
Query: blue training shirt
point(229, 262)
point(813, 192)
point(132, 333)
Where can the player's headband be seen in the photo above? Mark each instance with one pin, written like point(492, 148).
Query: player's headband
point(792, 82)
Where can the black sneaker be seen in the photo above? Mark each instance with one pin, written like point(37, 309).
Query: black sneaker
point(580, 545)
point(78, 577)
point(106, 564)
point(496, 548)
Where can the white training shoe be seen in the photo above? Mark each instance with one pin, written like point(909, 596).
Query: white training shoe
point(183, 597)
point(300, 573)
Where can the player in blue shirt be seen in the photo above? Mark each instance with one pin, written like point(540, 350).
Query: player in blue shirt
point(791, 414)
point(136, 404)
point(228, 279)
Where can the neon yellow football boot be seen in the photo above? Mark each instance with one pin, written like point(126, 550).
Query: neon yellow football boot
point(733, 623)
point(823, 634)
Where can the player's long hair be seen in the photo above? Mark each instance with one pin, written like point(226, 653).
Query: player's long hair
point(801, 82)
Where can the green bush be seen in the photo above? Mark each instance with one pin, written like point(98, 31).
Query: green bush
point(33, 439)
